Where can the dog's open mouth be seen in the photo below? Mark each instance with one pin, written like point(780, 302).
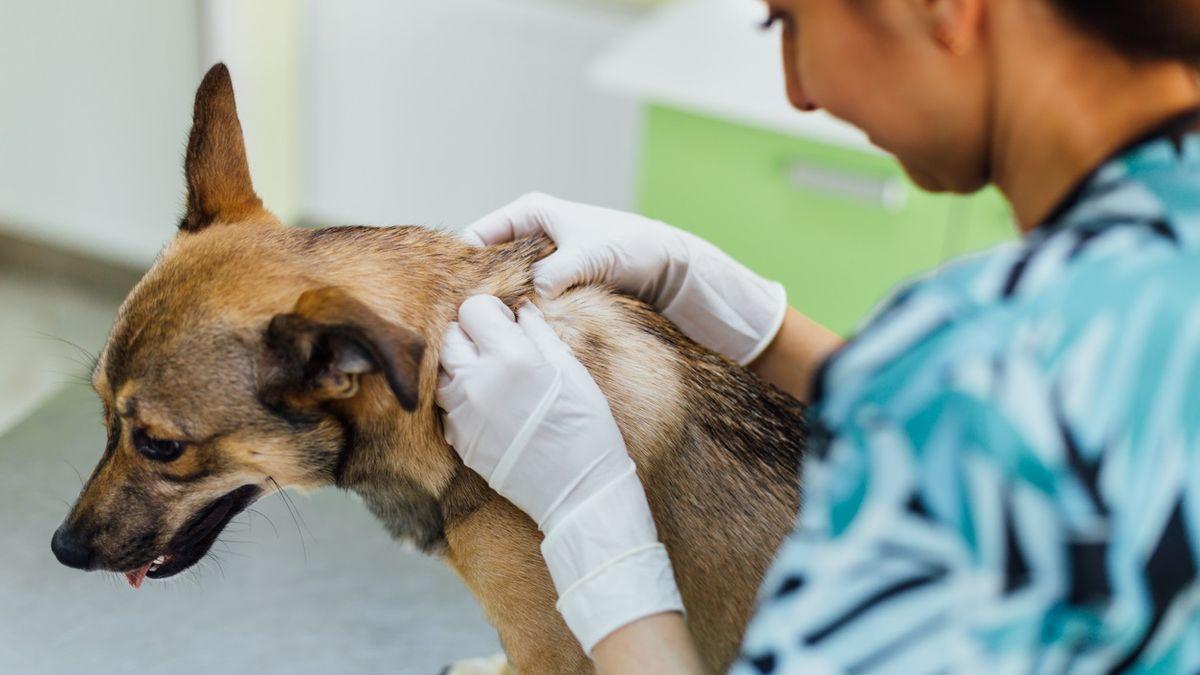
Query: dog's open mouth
point(194, 539)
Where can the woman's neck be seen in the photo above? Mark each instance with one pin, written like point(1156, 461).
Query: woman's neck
point(1063, 104)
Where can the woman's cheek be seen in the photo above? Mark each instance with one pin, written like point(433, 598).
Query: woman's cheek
point(833, 74)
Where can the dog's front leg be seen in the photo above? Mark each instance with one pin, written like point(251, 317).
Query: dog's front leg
point(497, 552)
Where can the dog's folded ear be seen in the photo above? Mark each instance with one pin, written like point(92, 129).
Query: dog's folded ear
point(218, 174)
point(330, 340)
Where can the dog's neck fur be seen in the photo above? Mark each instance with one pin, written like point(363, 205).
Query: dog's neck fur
point(399, 462)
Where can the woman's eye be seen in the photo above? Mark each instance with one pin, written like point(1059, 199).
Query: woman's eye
point(776, 16)
point(155, 448)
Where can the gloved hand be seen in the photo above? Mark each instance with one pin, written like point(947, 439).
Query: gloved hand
point(524, 413)
point(711, 297)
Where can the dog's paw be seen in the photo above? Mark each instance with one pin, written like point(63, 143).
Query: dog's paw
point(492, 665)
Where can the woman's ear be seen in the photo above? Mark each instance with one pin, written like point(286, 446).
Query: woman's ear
point(329, 341)
point(954, 24)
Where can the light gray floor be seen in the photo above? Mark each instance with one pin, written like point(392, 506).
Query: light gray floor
point(347, 600)
point(341, 598)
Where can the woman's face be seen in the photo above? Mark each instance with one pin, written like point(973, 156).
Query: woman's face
point(910, 73)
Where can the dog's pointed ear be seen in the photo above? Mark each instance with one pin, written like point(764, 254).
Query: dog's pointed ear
point(218, 174)
point(330, 340)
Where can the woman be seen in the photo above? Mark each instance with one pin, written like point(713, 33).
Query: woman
point(1007, 478)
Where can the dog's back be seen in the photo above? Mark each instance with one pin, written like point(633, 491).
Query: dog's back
point(717, 448)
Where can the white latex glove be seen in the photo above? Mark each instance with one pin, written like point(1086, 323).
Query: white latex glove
point(711, 297)
point(526, 415)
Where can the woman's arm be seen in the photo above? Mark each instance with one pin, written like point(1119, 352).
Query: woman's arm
point(658, 644)
point(792, 359)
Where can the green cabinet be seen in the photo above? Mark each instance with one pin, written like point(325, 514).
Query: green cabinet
point(838, 227)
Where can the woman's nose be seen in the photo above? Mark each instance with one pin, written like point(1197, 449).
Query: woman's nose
point(791, 72)
point(797, 97)
point(71, 548)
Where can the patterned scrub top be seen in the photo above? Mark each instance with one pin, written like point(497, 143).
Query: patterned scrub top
point(1007, 475)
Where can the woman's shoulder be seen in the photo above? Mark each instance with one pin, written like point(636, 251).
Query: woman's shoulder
point(1122, 255)
point(1006, 310)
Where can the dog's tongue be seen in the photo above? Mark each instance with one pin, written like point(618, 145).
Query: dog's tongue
point(136, 577)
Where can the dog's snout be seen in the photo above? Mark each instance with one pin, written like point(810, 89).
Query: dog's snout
point(72, 548)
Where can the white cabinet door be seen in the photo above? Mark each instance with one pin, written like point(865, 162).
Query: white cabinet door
point(435, 111)
point(95, 103)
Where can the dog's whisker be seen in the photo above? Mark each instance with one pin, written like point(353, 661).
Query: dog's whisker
point(227, 549)
point(63, 373)
point(73, 358)
point(287, 503)
point(193, 575)
point(217, 561)
point(251, 512)
point(76, 470)
point(77, 360)
point(234, 541)
point(89, 361)
point(239, 524)
point(296, 508)
point(50, 336)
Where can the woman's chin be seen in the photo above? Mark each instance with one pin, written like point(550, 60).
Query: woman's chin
point(926, 180)
point(932, 180)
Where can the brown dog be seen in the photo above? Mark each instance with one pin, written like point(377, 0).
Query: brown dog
point(254, 357)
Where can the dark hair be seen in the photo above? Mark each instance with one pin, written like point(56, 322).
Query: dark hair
point(1147, 28)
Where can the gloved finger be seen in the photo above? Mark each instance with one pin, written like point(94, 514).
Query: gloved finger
point(560, 271)
point(457, 350)
point(524, 217)
point(470, 238)
point(491, 325)
point(456, 433)
point(450, 393)
point(548, 342)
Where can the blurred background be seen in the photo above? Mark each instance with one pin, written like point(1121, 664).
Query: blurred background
point(375, 112)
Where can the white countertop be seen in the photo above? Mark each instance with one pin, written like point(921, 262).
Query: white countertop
point(710, 57)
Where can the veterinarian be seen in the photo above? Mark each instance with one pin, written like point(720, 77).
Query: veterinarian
point(1005, 472)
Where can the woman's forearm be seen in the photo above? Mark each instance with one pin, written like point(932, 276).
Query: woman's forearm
point(656, 645)
point(791, 361)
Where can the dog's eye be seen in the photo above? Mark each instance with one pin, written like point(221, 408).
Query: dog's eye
point(157, 449)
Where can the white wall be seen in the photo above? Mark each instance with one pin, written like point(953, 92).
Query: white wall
point(95, 103)
point(436, 111)
point(259, 42)
point(356, 111)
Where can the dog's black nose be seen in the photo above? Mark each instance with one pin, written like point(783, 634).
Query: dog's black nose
point(71, 549)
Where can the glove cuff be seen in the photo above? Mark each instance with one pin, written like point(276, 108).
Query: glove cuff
point(607, 563)
point(636, 586)
point(725, 306)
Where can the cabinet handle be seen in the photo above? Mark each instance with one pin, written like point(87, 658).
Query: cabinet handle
point(889, 193)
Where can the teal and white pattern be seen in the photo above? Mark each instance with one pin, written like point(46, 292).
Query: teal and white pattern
point(1008, 474)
